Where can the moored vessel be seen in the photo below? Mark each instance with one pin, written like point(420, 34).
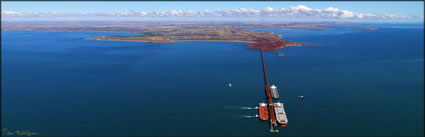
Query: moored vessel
point(280, 114)
point(275, 93)
point(262, 110)
point(229, 84)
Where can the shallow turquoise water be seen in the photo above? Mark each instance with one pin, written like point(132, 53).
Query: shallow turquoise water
point(359, 83)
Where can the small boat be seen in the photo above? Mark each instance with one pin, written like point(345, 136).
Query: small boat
point(229, 84)
point(280, 114)
point(301, 97)
point(275, 93)
point(262, 110)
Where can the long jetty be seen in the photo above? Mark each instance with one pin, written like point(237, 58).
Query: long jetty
point(269, 96)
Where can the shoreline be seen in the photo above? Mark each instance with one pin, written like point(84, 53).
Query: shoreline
point(175, 40)
point(117, 40)
point(220, 41)
point(250, 42)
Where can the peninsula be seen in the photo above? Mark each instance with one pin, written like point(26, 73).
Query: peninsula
point(169, 32)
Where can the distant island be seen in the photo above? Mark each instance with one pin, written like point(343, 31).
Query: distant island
point(169, 32)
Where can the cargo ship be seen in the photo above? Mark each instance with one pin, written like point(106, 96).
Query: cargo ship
point(262, 110)
point(275, 94)
point(280, 114)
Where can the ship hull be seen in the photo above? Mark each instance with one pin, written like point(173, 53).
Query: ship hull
point(262, 110)
point(275, 93)
point(280, 114)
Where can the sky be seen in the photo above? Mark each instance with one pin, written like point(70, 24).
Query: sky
point(149, 10)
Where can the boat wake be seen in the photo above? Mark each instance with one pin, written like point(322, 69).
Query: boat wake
point(239, 116)
point(238, 107)
point(246, 116)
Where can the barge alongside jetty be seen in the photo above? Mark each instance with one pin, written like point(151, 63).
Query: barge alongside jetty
point(262, 110)
point(275, 93)
point(280, 114)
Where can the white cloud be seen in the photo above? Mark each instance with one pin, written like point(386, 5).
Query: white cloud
point(268, 9)
point(300, 8)
point(291, 11)
point(7, 12)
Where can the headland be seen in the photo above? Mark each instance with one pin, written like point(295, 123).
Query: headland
point(169, 32)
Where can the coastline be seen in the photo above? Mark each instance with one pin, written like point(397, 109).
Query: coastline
point(175, 40)
point(118, 40)
point(220, 41)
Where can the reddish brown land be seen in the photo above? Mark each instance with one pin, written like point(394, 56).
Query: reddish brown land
point(168, 32)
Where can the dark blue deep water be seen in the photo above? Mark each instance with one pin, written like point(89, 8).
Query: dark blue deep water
point(359, 82)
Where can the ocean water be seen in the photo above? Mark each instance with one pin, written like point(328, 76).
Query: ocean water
point(358, 82)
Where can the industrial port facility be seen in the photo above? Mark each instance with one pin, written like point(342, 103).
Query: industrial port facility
point(272, 111)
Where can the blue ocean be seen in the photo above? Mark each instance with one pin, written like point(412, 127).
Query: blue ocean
point(358, 82)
